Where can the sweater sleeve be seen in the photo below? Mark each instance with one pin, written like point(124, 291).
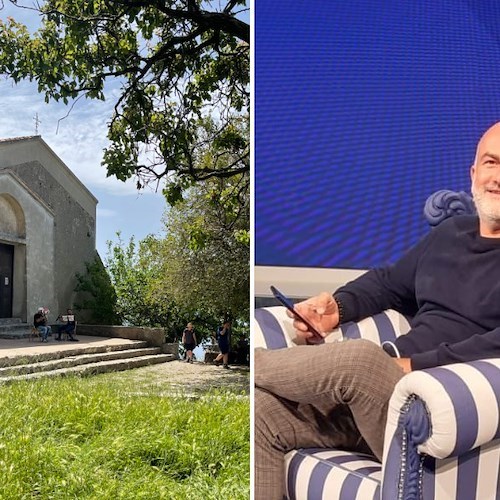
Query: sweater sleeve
point(391, 287)
point(479, 346)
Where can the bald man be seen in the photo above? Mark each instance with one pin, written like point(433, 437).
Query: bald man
point(336, 395)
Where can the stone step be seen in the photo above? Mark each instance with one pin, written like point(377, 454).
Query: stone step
point(15, 330)
point(9, 321)
point(94, 368)
point(74, 351)
point(76, 360)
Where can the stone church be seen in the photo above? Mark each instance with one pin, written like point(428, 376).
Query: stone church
point(47, 229)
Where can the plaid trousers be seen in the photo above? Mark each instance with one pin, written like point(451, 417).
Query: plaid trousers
point(329, 395)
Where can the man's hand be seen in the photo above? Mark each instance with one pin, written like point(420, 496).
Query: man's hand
point(404, 364)
point(321, 311)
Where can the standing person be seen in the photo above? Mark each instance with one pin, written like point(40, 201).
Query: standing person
point(337, 394)
point(223, 338)
point(189, 342)
point(40, 322)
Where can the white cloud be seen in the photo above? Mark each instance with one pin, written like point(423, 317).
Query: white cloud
point(78, 138)
point(106, 212)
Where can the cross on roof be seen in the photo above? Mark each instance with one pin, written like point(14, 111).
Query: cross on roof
point(37, 122)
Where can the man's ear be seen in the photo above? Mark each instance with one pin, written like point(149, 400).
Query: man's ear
point(472, 172)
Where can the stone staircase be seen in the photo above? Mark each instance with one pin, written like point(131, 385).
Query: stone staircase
point(14, 328)
point(21, 359)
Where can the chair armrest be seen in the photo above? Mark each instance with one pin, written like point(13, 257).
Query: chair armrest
point(273, 329)
point(441, 412)
point(461, 402)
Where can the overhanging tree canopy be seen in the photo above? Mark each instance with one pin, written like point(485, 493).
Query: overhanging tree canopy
point(184, 72)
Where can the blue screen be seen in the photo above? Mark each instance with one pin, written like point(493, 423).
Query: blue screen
point(362, 110)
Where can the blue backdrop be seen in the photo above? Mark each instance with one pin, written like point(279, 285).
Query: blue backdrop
point(362, 110)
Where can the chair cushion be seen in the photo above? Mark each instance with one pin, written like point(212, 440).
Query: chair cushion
point(315, 474)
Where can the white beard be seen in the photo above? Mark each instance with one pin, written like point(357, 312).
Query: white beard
point(487, 208)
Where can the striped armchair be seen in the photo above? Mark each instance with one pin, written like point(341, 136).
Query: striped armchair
point(442, 438)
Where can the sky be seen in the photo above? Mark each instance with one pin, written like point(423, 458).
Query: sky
point(78, 138)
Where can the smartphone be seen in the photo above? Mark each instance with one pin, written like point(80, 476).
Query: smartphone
point(317, 337)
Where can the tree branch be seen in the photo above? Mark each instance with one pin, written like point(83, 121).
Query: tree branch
point(222, 21)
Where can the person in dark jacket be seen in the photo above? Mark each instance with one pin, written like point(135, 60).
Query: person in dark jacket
point(223, 337)
point(69, 326)
point(41, 323)
point(189, 342)
point(337, 394)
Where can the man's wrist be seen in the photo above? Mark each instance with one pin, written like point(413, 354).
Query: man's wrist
point(340, 308)
point(404, 364)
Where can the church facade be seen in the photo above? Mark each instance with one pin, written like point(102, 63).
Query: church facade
point(47, 229)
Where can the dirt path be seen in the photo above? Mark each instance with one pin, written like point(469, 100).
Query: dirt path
point(179, 377)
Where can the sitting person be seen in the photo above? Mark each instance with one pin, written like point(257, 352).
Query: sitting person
point(69, 327)
point(40, 323)
point(337, 394)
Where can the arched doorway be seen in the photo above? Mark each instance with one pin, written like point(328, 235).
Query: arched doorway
point(12, 256)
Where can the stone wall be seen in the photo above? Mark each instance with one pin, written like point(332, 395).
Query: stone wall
point(74, 231)
point(154, 336)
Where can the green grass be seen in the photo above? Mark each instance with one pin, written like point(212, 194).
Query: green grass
point(95, 438)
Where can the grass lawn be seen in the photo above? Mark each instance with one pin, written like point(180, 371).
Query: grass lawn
point(105, 437)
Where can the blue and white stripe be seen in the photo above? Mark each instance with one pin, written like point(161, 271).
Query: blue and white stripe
point(273, 329)
point(317, 474)
point(460, 458)
point(384, 327)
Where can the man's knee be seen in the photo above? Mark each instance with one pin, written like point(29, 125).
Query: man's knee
point(359, 352)
point(365, 366)
point(265, 363)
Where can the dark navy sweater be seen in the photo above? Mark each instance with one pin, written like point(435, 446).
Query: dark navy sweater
point(450, 284)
